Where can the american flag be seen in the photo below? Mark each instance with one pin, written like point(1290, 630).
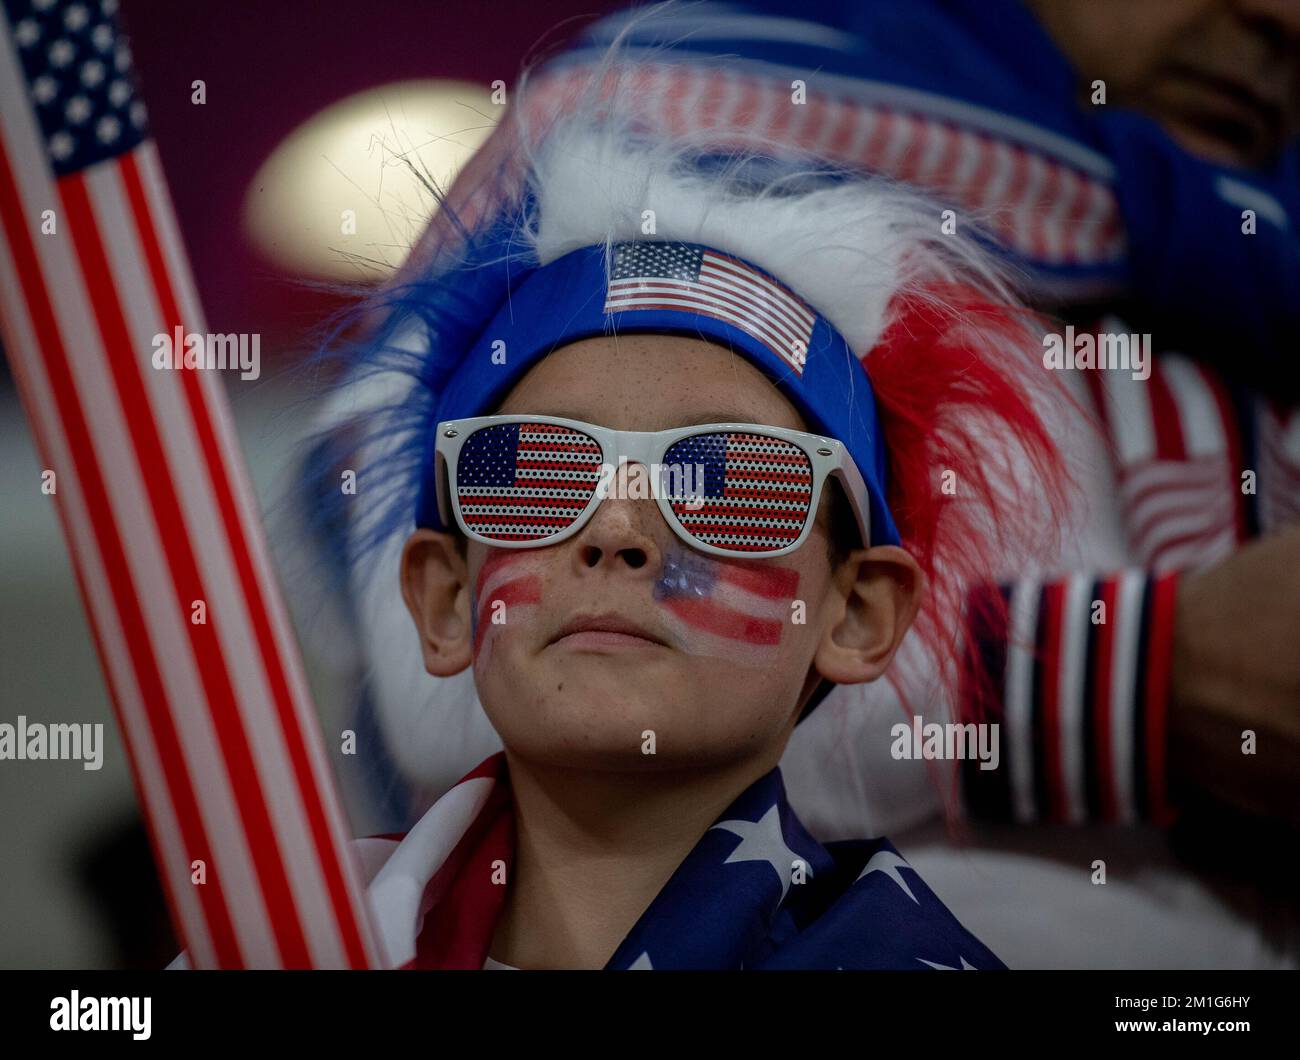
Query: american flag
point(508, 579)
point(525, 481)
point(676, 276)
point(756, 491)
point(1179, 466)
point(158, 511)
point(757, 891)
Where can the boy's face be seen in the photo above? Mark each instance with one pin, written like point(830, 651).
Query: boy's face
point(727, 652)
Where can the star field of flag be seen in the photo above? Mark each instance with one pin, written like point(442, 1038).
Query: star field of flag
point(79, 76)
point(757, 490)
point(685, 278)
point(525, 481)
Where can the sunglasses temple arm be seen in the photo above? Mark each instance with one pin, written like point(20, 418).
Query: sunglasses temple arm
point(442, 489)
point(859, 498)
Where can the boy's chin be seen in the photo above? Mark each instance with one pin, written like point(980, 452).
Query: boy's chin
point(594, 719)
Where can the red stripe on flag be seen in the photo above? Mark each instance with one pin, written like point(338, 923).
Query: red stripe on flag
point(1156, 694)
point(745, 323)
point(1051, 700)
point(524, 590)
point(908, 159)
point(108, 537)
point(1165, 419)
point(122, 361)
point(724, 621)
point(237, 535)
point(772, 583)
point(733, 268)
point(466, 903)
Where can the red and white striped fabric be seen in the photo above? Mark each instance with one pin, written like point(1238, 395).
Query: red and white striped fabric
point(1177, 444)
point(1038, 204)
point(1052, 208)
point(1082, 701)
point(1082, 690)
point(159, 514)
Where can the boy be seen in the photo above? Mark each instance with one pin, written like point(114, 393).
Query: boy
point(644, 659)
point(850, 400)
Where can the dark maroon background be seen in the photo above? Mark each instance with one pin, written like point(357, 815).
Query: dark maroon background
point(269, 67)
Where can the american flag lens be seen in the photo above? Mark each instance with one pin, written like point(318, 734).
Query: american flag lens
point(734, 490)
point(756, 491)
point(525, 481)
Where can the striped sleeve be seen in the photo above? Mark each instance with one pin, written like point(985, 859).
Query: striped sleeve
point(1075, 673)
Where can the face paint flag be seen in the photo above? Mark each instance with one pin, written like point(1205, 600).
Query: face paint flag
point(524, 481)
point(756, 494)
point(507, 586)
point(729, 610)
point(674, 276)
point(159, 514)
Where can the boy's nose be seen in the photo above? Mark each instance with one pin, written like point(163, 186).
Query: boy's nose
point(622, 529)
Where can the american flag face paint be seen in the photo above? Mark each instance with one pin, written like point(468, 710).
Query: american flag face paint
point(726, 489)
point(507, 591)
point(735, 610)
point(727, 609)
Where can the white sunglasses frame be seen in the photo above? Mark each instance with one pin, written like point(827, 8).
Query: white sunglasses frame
point(828, 456)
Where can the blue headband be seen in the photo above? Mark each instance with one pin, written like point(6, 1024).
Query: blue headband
point(675, 289)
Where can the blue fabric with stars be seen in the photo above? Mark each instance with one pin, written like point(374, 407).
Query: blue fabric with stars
point(759, 892)
point(77, 65)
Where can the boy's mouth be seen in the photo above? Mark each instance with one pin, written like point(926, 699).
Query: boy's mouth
point(606, 630)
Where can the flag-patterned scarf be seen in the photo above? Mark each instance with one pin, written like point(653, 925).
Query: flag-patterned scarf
point(756, 892)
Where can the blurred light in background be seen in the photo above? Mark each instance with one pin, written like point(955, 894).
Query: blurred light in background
point(364, 154)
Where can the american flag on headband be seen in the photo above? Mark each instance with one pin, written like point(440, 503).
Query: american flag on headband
point(158, 511)
point(677, 276)
point(523, 481)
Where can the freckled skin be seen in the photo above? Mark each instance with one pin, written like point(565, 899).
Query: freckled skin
point(588, 708)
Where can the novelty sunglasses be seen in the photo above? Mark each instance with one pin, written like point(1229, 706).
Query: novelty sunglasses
point(725, 488)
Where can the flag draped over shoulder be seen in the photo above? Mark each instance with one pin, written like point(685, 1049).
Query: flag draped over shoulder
point(756, 892)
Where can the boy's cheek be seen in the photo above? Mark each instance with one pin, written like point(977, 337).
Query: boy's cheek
point(747, 613)
point(729, 610)
point(507, 596)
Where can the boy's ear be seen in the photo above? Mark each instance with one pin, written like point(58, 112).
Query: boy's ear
point(435, 586)
point(880, 589)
